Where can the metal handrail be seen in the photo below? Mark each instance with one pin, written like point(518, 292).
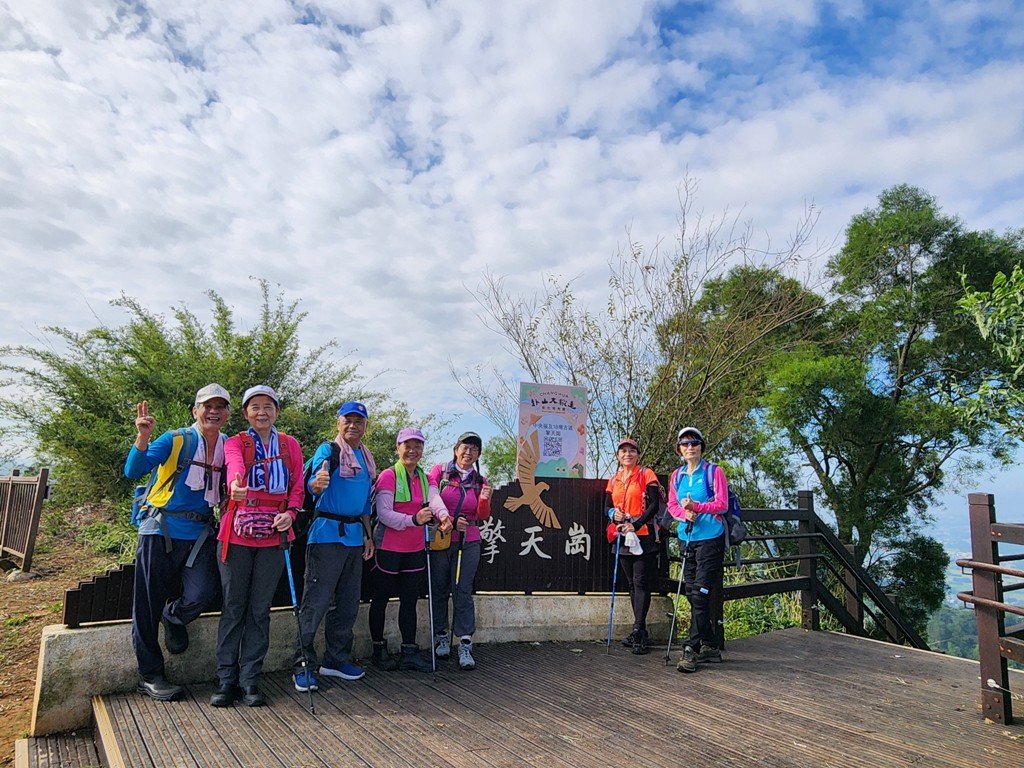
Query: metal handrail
point(968, 597)
point(974, 564)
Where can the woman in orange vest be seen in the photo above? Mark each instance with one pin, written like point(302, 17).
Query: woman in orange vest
point(633, 497)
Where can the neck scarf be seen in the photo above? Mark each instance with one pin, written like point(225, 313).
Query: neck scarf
point(268, 472)
point(348, 462)
point(204, 474)
point(403, 490)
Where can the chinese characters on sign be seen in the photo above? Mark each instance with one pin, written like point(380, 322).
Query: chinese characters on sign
point(552, 427)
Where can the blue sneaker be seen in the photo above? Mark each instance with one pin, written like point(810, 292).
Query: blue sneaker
point(346, 671)
point(305, 681)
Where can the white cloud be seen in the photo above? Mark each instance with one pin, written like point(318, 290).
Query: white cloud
point(377, 161)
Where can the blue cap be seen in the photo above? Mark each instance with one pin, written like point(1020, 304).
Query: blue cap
point(352, 407)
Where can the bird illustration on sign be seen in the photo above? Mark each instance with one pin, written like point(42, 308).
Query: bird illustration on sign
point(529, 457)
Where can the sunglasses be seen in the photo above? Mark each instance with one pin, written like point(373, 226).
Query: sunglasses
point(689, 443)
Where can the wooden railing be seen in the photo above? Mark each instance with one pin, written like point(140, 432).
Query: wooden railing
point(21, 499)
point(521, 555)
point(996, 641)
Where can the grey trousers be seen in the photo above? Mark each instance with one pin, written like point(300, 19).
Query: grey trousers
point(248, 579)
point(442, 580)
point(334, 574)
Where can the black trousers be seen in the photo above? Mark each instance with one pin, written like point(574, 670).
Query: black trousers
point(639, 569)
point(702, 571)
point(401, 573)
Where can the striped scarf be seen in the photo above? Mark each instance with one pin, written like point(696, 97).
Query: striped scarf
point(268, 473)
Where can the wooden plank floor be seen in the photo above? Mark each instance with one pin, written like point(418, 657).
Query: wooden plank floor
point(790, 698)
point(60, 750)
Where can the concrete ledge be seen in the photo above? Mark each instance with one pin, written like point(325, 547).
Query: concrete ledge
point(75, 664)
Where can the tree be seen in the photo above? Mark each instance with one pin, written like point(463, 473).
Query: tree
point(499, 460)
point(999, 316)
point(73, 397)
point(678, 333)
point(881, 416)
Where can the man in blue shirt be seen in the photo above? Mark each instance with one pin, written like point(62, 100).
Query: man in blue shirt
point(338, 542)
point(176, 540)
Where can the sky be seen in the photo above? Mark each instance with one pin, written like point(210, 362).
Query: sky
point(375, 159)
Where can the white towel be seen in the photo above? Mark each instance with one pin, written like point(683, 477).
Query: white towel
point(200, 476)
point(633, 544)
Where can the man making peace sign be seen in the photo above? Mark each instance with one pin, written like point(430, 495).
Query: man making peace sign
point(175, 531)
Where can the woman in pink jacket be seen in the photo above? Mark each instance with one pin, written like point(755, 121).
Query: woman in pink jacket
point(264, 467)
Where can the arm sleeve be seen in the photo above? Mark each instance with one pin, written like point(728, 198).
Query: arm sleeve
point(233, 461)
point(720, 503)
point(483, 506)
point(609, 504)
point(436, 503)
point(140, 463)
point(296, 491)
point(651, 508)
point(322, 454)
point(386, 511)
point(674, 508)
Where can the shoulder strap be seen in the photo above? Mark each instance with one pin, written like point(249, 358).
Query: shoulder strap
point(334, 460)
point(188, 448)
point(709, 481)
point(248, 449)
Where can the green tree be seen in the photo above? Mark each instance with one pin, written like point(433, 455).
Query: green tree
point(74, 398)
point(499, 460)
point(881, 415)
point(999, 316)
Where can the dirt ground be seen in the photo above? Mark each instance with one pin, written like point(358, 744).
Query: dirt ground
point(61, 561)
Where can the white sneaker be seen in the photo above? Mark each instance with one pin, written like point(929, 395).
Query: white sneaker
point(466, 660)
point(442, 646)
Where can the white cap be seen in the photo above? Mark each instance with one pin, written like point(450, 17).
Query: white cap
point(260, 389)
point(211, 391)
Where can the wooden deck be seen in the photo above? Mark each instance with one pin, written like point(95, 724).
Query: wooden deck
point(790, 698)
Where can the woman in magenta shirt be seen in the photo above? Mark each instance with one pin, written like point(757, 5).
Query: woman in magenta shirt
point(265, 471)
point(405, 503)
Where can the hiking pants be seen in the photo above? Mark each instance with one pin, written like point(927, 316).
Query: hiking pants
point(639, 570)
point(249, 579)
point(401, 573)
point(156, 571)
point(442, 581)
point(703, 568)
point(334, 575)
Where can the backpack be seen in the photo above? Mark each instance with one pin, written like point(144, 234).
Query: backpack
point(735, 528)
point(309, 511)
point(257, 523)
point(141, 508)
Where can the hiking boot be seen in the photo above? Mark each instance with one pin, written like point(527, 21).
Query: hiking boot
point(225, 695)
point(466, 660)
point(382, 658)
point(158, 688)
point(628, 640)
point(709, 655)
point(305, 681)
point(175, 636)
point(688, 662)
point(642, 643)
point(346, 671)
point(411, 660)
point(253, 697)
point(442, 646)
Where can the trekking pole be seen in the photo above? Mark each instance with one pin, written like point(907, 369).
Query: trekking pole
point(615, 578)
point(679, 590)
point(286, 546)
point(458, 578)
point(430, 599)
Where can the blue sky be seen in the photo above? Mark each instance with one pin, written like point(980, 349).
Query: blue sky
point(374, 158)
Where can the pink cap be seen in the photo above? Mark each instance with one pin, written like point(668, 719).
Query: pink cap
point(409, 433)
